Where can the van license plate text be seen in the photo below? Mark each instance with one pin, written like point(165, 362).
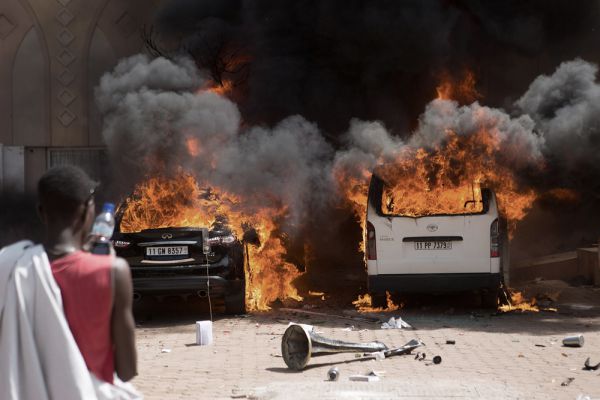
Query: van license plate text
point(433, 245)
point(167, 251)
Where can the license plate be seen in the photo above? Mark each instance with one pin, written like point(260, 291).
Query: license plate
point(433, 245)
point(167, 251)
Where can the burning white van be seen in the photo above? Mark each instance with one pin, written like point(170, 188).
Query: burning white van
point(433, 241)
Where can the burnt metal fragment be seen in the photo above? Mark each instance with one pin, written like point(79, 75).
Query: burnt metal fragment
point(588, 367)
point(333, 374)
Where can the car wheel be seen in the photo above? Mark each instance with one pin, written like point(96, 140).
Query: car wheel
point(235, 303)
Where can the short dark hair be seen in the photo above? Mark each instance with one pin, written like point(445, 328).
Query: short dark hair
point(62, 189)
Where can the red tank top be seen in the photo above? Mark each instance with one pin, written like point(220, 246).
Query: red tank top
point(85, 284)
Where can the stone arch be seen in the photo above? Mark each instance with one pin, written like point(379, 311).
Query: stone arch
point(29, 92)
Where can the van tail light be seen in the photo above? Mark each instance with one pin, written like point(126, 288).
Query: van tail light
point(371, 245)
point(495, 239)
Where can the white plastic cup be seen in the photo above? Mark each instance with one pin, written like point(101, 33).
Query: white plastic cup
point(204, 336)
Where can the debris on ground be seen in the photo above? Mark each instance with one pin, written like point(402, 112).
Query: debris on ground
point(567, 382)
point(364, 378)
point(450, 341)
point(327, 315)
point(300, 342)
point(588, 367)
point(165, 351)
point(395, 323)
point(238, 396)
point(437, 360)
point(333, 374)
point(540, 345)
point(573, 341)
point(352, 328)
point(372, 376)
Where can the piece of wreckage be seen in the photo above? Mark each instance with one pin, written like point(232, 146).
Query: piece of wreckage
point(300, 342)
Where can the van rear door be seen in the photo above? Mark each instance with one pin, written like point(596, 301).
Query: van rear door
point(434, 244)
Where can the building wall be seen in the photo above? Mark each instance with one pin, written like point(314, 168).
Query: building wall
point(52, 55)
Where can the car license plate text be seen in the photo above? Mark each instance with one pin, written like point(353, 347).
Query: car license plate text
point(433, 245)
point(167, 251)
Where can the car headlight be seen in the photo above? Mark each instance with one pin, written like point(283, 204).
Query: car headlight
point(222, 240)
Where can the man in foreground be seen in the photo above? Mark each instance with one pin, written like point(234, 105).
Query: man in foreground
point(96, 289)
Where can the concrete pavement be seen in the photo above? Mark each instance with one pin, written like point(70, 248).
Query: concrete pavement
point(511, 356)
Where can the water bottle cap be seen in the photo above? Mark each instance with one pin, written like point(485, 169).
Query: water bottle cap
point(108, 207)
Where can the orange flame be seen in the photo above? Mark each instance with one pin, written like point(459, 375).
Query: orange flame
point(224, 89)
point(446, 179)
point(179, 201)
point(364, 304)
point(518, 302)
point(193, 146)
point(463, 91)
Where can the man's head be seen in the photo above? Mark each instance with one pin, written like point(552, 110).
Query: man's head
point(66, 199)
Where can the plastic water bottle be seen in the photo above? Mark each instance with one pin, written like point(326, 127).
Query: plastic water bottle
point(103, 228)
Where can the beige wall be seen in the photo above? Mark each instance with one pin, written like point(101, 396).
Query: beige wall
point(52, 53)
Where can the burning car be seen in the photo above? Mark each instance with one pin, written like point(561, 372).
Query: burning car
point(184, 260)
point(433, 239)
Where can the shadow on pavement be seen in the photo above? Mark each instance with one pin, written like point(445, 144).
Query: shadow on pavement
point(578, 311)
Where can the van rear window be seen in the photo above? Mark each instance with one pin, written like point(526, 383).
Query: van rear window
point(412, 199)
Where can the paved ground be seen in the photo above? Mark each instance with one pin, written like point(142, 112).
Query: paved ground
point(510, 356)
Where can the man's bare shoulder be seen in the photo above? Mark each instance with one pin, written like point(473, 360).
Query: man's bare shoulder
point(121, 267)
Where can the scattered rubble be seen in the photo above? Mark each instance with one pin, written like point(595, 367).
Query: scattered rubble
point(588, 367)
point(372, 376)
point(300, 342)
point(333, 374)
point(395, 323)
point(573, 341)
point(327, 315)
point(567, 382)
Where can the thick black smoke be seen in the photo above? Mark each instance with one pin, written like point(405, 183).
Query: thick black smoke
point(153, 107)
point(320, 86)
point(331, 61)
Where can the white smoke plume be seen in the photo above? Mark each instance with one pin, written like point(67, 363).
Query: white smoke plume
point(518, 143)
point(566, 109)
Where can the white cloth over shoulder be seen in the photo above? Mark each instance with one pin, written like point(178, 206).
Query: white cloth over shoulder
point(39, 358)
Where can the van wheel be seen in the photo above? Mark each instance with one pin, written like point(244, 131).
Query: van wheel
point(489, 298)
point(378, 300)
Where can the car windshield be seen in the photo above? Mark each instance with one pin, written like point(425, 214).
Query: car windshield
point(417, 201)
